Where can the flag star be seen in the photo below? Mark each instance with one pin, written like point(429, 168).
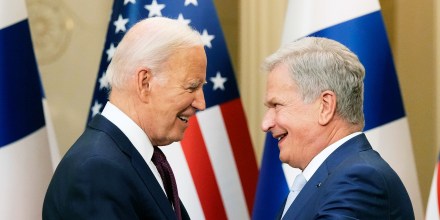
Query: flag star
point(182, 19)
point(194, 2)
point(129, 1)
point(96, 108)
point(120, 24)
point(103, 82)
point(206, 38)
point(154, 9)
point(219, 81)
point(110, 51)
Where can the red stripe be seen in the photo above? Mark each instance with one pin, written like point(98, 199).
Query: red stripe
point(202, 173)
point(438, 187)
point(238, 132)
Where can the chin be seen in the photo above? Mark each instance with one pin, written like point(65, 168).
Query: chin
point(175, 139)
point(283, 159)
point(165, 141)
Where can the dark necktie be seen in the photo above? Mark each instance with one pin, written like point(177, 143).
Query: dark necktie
point(169, 182)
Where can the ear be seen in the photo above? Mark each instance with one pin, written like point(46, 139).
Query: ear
point(327, 107)
point(143, 83)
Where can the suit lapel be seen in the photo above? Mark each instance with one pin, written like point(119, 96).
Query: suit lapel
point(354, 145)
point(99, 122)
point(153, 186)
point(281, 210)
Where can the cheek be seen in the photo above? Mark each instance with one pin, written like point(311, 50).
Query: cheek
point(285, 119)
point(165, 117)
point(175, 104)
point(184, 101)
point(298, 129)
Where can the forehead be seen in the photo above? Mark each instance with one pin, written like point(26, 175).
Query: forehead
point(280, 84)
point(190, 56)
point(279, 78)
point(278, 72)
point(189, 60)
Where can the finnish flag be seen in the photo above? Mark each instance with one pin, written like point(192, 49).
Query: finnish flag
point(25, 155)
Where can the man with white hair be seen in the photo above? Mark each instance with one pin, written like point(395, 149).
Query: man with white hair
point(314, 98)
point(115, 169)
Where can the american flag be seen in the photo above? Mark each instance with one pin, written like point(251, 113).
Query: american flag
point(214, 164)
point(433, 208)
point(358, 25)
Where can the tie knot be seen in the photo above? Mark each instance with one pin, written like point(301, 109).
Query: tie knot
point(159, 158)
point(299, 182)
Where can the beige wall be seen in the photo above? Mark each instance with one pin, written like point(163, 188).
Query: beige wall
point(261, 23)
point(68, 39)
point(414, 53)
point(437, 69)
point(69, 36)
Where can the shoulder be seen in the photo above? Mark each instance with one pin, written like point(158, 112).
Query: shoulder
point(92, 143)
point(93, 156)
point(365, 185)
point(366, 167)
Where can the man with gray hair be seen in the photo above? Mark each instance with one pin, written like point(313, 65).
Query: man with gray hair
point(314, 102)
point(115, 169)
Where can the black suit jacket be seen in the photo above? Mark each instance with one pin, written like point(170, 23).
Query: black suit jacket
point(103, 176)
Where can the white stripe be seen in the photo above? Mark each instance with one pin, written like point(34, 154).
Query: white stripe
point(54, 151)
point(11, 12)
point(393, 142)
point(223, 162)
point(185, 184)
point(25, 172)
point(304, 17)
point(432, 209)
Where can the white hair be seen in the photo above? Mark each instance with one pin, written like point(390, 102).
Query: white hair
point(149, 43)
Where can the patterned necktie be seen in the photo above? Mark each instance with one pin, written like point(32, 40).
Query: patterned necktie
point(169, 182)
point(297, 186)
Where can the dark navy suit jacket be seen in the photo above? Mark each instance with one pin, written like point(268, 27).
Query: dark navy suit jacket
point(354, 182)
point(103, 176)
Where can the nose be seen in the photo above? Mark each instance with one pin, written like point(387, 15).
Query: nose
point(268, 120)
point(199, 100)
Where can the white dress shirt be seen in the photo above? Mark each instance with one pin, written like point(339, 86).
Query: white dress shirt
point(135, 134)
point(322, 156)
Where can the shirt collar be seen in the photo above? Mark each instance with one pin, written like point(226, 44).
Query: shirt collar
point(322, 156)
point(133, 132)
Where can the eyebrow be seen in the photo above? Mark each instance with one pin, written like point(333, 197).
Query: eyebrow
point(269, 102)
point(196, 83)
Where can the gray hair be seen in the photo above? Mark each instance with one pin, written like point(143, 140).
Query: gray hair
point(320, 64)
point(149, 43)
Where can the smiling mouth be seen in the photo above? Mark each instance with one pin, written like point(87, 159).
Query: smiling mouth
point(183, 118)
point(281, 137)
